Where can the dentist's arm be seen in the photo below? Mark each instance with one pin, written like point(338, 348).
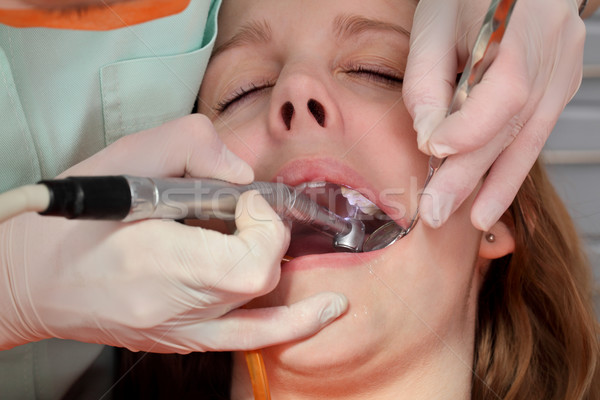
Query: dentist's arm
point(505, 121)
point(157, 286)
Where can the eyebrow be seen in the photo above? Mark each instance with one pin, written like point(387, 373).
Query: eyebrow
point(344, 27)
point(253, 32)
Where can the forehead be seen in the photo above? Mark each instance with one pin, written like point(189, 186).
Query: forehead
point(296, 16)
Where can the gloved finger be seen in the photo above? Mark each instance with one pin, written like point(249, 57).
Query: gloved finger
point(185, 146)
point(455, 181)
point(503, 97)
point(244, 265)
point(508, 173)
point(248, 329)
point(512, 166)
point(431, 66)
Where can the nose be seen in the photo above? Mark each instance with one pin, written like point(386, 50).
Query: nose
point(313, 106)
point(301, 102)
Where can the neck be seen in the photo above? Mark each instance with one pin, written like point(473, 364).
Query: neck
point(444, 373)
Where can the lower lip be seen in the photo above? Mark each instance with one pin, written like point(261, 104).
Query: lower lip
point(329, 260)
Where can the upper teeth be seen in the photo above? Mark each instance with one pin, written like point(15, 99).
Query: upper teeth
point(356, 199)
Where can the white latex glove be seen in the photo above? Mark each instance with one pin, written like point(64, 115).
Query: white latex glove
point(157, 286)
point(508, 116)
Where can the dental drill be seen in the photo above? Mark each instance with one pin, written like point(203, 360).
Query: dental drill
point(129, 198)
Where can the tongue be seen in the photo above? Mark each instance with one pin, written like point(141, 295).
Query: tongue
point(309, 242)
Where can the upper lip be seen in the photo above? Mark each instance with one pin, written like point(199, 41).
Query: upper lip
point(333, 171)
point(321, 169)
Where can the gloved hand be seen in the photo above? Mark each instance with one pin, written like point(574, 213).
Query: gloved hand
point(508, 116)
point(157, 286)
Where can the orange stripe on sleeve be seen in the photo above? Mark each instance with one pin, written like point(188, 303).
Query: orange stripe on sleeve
point(102, 17)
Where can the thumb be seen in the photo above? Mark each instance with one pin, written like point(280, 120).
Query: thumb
point(185, 146)
point(208, 157)
point(227, 166)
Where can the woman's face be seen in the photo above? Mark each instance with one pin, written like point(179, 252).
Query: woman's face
point(311, 90)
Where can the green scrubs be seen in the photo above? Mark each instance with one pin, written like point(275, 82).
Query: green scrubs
point(65, 95)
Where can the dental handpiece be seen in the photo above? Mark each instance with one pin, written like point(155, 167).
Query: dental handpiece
point(129, 198)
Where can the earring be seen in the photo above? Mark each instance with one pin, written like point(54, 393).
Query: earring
point(490, 237)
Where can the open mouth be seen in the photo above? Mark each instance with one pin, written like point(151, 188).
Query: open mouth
point(341, 200)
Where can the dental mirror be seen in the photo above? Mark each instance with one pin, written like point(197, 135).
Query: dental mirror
point(384, 236)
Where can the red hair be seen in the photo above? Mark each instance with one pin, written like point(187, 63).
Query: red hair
point(537, 333)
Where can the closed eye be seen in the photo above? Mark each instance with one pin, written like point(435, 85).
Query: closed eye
point(377, 75)
point(239, 95)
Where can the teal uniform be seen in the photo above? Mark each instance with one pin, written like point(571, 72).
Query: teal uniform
point(65, 95)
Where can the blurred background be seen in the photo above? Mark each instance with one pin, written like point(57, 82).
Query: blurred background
point(572, 153)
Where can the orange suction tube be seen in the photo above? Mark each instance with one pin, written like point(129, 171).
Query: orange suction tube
point(256, 367)
point(258, 375)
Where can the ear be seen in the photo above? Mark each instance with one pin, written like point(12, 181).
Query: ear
point(501, 243)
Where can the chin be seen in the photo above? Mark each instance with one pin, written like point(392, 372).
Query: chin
point(353, 339)
point(358, 336)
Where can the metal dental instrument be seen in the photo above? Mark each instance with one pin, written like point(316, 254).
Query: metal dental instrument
point(484, 52)
point(129, 198)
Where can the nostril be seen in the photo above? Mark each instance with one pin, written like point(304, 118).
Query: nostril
point(317, 110)
point(287, 112)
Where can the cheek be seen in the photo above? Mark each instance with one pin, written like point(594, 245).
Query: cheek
point(384, 142)
point(434, 281)
point(435, 271)
point(383, 128)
